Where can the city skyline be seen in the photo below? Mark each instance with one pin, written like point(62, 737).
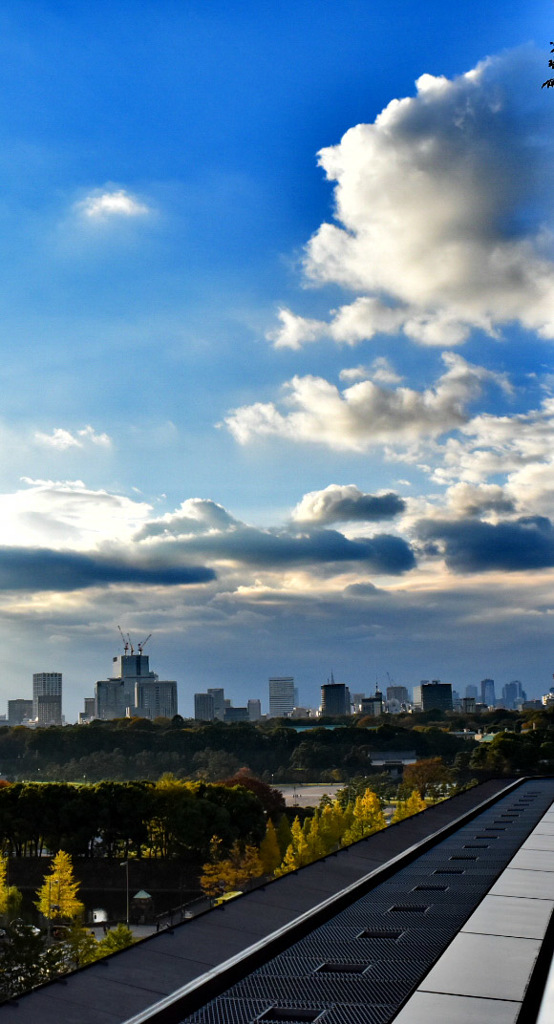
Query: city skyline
point(277, 331)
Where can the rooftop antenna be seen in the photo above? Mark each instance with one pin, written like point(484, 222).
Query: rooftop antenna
point(125, 643)
point(143, 643)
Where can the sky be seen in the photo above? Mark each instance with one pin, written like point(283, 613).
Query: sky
point(276, 328)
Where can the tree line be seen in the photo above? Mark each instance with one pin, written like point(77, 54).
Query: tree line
point(135, 749)
point(166, 819)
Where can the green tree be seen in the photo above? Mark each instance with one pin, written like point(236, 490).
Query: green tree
point(117, 938)
point(57, 897)
point(78, 947)
point(24, 960)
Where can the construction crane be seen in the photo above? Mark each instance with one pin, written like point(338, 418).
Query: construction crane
point(125, 642)
point(143, 643)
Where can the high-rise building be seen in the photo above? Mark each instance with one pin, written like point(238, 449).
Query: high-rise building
point(19, 711)
point(47, 698)
point(204, 710)
point(335, 699)
point(513, 694)
point(281, 696)
point(399, 693)
point(433, 696)
point(156, 698)
point(254, 710)
point(487, 692)
point(134, 689)
point(218, 694)
point(471, 691)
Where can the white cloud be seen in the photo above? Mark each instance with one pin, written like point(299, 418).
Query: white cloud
point(438, 208)
point(100, 205)
point(67, 514)
point(365, 413)
point(380, 370)
point(62, 439)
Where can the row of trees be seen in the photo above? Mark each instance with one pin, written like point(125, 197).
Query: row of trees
point(166, 819)
point(287, 848)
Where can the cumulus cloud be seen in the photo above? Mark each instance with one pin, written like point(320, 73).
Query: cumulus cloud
point(380, 371)
point(434, 227)
point(365, 413)
point(62, 439)
point(475, 546)
point(119, 203)
point(335, 504)
point(195, 515)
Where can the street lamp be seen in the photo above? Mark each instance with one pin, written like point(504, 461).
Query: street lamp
point(125, 865)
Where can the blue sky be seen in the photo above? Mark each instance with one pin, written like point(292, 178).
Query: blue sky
point(221, 351)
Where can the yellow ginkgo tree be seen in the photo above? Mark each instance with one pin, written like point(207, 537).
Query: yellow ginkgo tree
point(57, 896)
point(10, 896)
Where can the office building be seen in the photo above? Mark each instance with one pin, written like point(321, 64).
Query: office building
point(373, 705)
point(156, 698)
point(357, 699)
point(204, 707)
point(335, 699)
point(472, 691)
point(399, 693)
point(135, 690)
point(47, 698)
point(218, 694)
point(236, 714)
point(19, 711)
point(254, 710)
point(89, 712)
point(433, 696)
point(487, 692)
point(281, 696)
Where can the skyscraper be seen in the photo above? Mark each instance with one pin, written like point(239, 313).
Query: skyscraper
point(281, 696)
point(487, 692)
point(47, 698)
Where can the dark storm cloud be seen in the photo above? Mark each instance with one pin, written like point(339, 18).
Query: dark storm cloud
point(470, 546)
point(269, 549)
point(44, 569)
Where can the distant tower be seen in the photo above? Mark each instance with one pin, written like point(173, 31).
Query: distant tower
point(47, 698)
point(487, 692)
